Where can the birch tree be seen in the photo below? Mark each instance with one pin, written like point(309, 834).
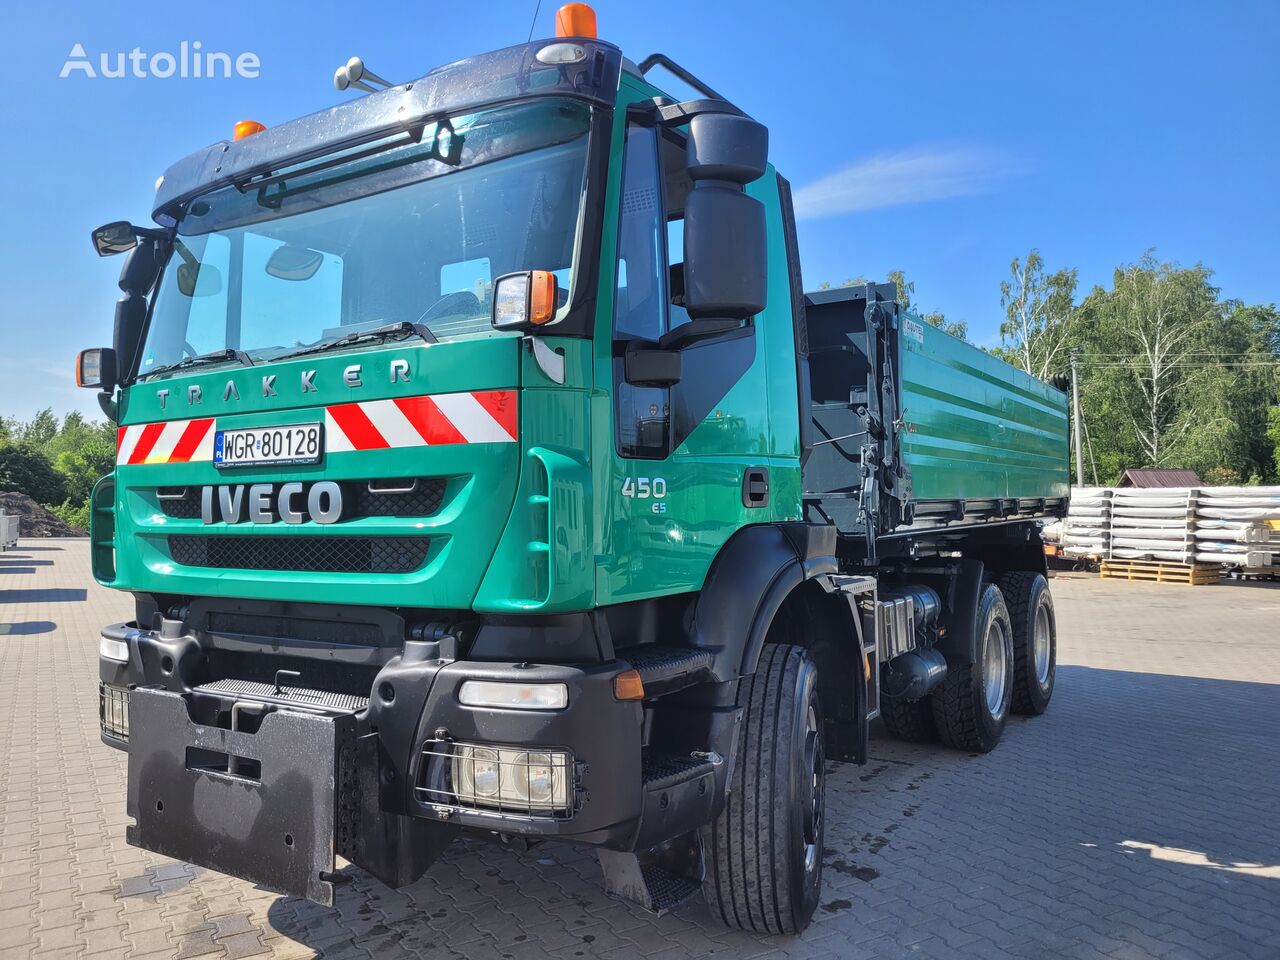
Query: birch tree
point(1039, 313)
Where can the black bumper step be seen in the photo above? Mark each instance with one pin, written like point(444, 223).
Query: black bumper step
point(285, 695)
point(667, 669)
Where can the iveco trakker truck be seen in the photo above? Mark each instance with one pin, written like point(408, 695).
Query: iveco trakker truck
point(485, 471)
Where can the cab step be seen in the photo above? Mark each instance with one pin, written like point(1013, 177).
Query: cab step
point(668, 669)
point(664, 771)
point(646, 884)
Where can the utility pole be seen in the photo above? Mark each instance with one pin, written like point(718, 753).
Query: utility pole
point(1075, 419)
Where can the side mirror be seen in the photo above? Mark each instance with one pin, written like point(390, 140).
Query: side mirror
point(131, 315)
point(96, 368)
point(646, 366)
point(725, 238)
point(141, 267)
point(522, 301)
point(112, 238)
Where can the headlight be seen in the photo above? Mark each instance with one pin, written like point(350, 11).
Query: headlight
point(112, 649)
point(113, 711)
point(512, 781)
point(519, 696)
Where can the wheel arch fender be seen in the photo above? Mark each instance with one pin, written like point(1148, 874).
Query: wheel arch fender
point(751, 577)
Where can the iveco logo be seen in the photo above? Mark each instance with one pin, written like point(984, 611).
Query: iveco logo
point(319, 502)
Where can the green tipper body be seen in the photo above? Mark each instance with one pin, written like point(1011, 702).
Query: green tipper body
point(975, 427)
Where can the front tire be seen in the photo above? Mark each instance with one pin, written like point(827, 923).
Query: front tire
point(971, 705)
point(1035, 640)
point(764, 850)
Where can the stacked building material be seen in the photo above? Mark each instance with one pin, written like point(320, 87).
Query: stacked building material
point(1232, 525)
point(1084, 531)
point(1154, 524)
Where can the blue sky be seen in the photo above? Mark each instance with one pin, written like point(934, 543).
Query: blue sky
point(936, 137)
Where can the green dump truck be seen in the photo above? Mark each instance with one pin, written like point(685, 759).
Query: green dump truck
point(484, 470)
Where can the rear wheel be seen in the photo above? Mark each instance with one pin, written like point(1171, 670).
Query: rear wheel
point(909, 720)
point(1035, 640)
point(764, 850)
point(971, 705)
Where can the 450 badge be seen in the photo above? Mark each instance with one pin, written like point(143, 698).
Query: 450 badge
point(647, 488)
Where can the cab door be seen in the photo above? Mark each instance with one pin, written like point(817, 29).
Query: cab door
point(688, 463)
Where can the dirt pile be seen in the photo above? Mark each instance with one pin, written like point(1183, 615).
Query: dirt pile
point(34, 520)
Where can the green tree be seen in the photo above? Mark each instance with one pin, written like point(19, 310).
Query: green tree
point(26, 470)
point(40, 431)
point(83, 466)
point(1172, 375)
point(1039, 310)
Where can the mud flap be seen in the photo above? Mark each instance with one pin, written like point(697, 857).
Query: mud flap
point(271, 823)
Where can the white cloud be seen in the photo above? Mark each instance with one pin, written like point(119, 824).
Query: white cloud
point(895, 179)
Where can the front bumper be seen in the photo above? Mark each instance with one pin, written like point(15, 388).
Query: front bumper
point(269, 782)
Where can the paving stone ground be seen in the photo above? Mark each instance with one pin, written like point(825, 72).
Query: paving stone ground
point(1139, 818)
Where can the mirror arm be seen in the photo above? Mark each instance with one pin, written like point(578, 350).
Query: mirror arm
point(661, 112)
point(697, 330)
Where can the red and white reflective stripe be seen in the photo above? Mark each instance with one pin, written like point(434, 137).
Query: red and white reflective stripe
point(483, 416)
point(486, 416)
point(179, 441)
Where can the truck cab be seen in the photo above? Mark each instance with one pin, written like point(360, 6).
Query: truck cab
point(461, 488)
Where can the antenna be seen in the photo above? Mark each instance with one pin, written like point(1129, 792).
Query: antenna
point(354, 74)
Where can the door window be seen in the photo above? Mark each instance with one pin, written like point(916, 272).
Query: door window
point(640, 300)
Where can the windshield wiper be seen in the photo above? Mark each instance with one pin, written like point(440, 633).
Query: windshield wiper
point(200, 359)
point(391, 331)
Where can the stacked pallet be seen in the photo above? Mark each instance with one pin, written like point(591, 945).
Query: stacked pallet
point(1161, 571)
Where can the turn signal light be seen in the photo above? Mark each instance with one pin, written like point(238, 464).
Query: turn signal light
point(542, 296)
point(246, 128)
point(628, 686)
point(576, 20)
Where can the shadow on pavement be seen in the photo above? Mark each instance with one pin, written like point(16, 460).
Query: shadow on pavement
point(46, 595)
point(28, 629)
point(1135, 817)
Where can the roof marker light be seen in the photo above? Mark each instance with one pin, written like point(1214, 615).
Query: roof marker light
point(576, 20)
point(246, 128)
point(559, 54)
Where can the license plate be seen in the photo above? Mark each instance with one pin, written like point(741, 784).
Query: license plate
point(263, 446)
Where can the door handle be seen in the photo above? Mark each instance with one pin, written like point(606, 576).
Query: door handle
point(755, 487)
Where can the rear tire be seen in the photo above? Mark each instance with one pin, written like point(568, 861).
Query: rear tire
point(1035, 640)
point(909, 720)
point(764, 850)
point(971, 705)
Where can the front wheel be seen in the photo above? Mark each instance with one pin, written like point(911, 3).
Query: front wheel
point(764, 850)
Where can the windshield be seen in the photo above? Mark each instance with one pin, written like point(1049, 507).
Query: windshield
point(412, 234)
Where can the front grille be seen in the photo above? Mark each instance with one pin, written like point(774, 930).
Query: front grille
point(304, 554)
point(113, 711)
point(387, 497)
point(180, 502)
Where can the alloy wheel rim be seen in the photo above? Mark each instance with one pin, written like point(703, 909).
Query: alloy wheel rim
point(814, 764)
point(995, 665)
point(1041, 644)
